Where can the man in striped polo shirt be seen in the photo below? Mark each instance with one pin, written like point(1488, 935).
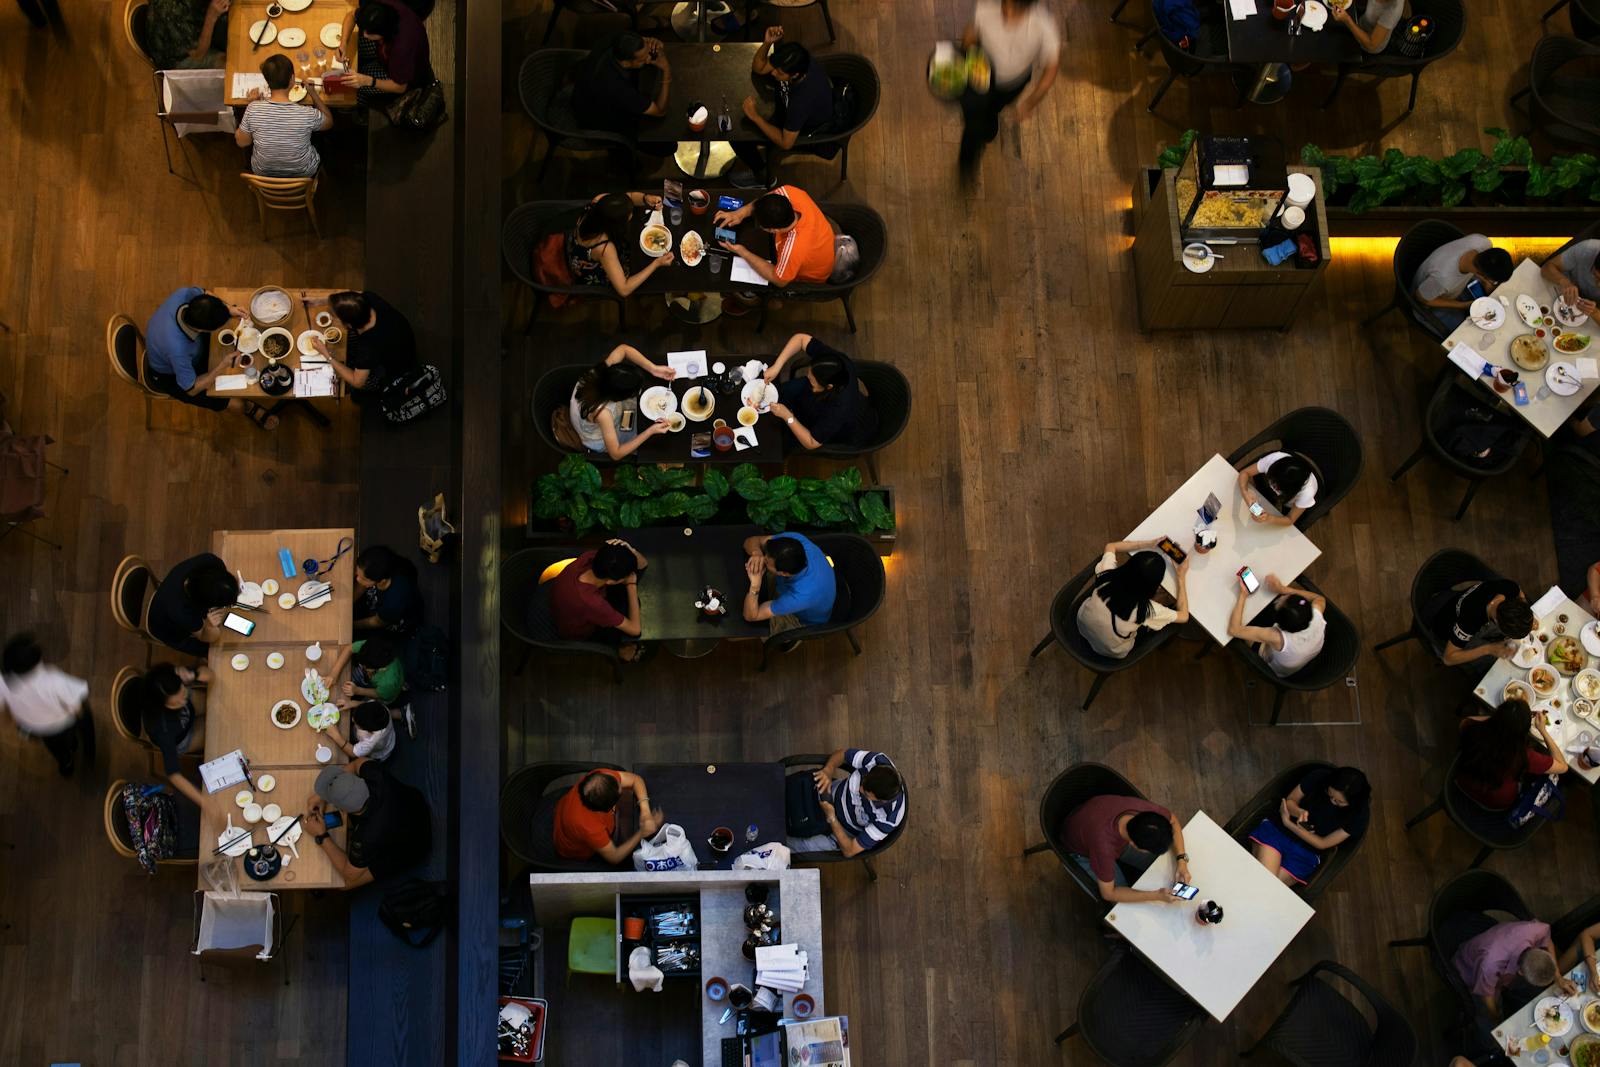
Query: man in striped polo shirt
point(853, 814)
point(278, 132)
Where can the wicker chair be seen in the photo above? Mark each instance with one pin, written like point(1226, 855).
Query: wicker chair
point(1322, 436)
point(872, 239)
point(547, 99)
point(133, 586)
point(284, 194)
point(527, 815)
point(1320, 1027)
point(1449, 26)
point(1064, 631)
point(521, 233)
point(859, 582)
point(136, 27)
point(1419, 242)
point(1073, 786)
point(1167, 1020)
point(1341, 646)
point(811, 761)
point(1449, 394)
point(125, 349)
point(1561, 104)
point(525, 608)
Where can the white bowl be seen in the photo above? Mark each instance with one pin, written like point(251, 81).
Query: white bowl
point(286, 601)
point(266, 783)
point(252, 813)
point(271, 812)
point(275, 660)
point(240, 661)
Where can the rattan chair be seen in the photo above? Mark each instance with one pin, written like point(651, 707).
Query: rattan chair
point(1341, 646)
point(284, 194)
point(1561, 103)
point(525, 608)
point(844, 68)
point(812, 761)
point(1167, 1020)
point(872, 241)
point(116, 825)
point(1327, 440)
point(1064, 631)
point(546, 95)
point(127, 709)
point(527, 816)
point(1450, 395)
point(125, 349)
point(1320, 1027)
point(520, 235)
point(136, 27)
point(1444, 570)
point(133, 585)
point(859, 581)
point(1449, 26)
point(1487, 826)
point(1418, 243)
point(1073, 786)
point(888, 393)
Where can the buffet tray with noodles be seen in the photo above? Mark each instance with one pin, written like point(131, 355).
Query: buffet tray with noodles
point(270, 305)
point(1528, 352)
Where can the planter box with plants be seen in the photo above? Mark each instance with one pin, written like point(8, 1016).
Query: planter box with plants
point(1503, 191)
point(574, 501)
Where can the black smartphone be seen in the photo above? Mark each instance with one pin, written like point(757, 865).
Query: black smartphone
point(1184, 891)
point(330, 819)
point(1173, 552)
point(725, 234)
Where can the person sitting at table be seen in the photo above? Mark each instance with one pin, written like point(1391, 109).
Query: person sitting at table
point(187, 34)
point(278, 131)
point(601, 229)
point(803, 584)
point(605, 394)
point(826, 404)
point(606, 94)
point(1289, 633)
point(386, 592)
point(1020, 38)
point(169, 720)
point(379, 345)
point(1328, 807)
point(802, 239)
point(189, 605)
point(372, 731)
point(1285, 480)
point(46, 702)
point(853, 814)
point(586, 817)
point(596, 596)
point(393, 51)
point(177, 345)
point(805, 102)
point(1121, 602)
point(389, 828)
point(1575, 275)
point(1441, 282)
point(1378, 20)
point(1480, 619)
point(1495, 754)
point(1508, 965)
point(376, 671)
point(1106, 832)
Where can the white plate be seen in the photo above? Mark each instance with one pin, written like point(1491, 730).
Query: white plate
point(309, 590)
point(267, 36)
point(691, 416)
point(1528, 309)
point(291, 36)
point(1557, 1005)
point(286, 601)
point(646, 249)
point(1316, 16)
point(303, 342)
point(250, 595)
point(330, 34)
point(266, 783)
point(249, 340)
point(687, 246)
point(274, 660)
point(242, 839)
point(297, 94)
point(272, 713)
point(758, 394)
point(1518, 688)
point(1200, 261)
point(657, 402)
point(281, 826)
point(1590, 637)
point(240, 661)
point(1528, 654)
point(322, 716)
point(311, 687)
point(1566, 315)
point(1488, 313)
point(1584, 677)
point(1562, 378)
point(295, 5)
point(243, 797)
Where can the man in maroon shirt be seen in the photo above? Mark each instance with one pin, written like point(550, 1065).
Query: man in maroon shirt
point(584, 597)
point(1100, 830)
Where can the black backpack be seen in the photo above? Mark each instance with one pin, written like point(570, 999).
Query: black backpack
point(413, 394)
point(427, 660)
point(415, 911)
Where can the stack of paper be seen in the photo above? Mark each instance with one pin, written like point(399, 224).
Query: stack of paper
point(1552, 600)
point(223, 772)
point(226, 382)
point(743, 273)
point(1587, 368)
point(1468, 360)
point(687, 364)
point(244, 83)
point(315, 381)
point(1242, 9)
point(781, 967)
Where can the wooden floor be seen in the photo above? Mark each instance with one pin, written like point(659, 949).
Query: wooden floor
point(1045, 425)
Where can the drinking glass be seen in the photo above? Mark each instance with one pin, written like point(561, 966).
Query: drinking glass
point(322, 60)
point(305, 64)
point(675, 214)
point(716, 262)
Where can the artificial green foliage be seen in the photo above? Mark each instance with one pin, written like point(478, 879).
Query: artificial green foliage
point(641, 495)
point(1172, 155)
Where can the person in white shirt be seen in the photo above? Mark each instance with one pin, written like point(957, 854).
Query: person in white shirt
point(1284, 480)
point(1021, 39)
point(371, 731)
point(46, 702)
point(1121, 601)
point(1289, 634)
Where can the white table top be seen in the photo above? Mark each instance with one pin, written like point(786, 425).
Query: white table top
point(1519, 1027)
point(1213, 577)
point(1215, 965)
point(1565, 727)
point(1548, 414)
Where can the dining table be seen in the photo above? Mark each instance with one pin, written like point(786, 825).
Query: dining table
point(1257, 39)
point(310, 869)
point(683, 563)
point(1267, 548)
point(243, 61)
point(320, 385)
point(717, 77)
point(746, 798)
point(679, 277)
point(760, 443)
point(1516, 1032)
point(256, 556)
point(1546, 410)
point(1555, 615)
point(240, 704)
point(1215, 965)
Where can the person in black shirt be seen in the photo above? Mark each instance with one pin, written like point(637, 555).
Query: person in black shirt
point(386, 592)
point(169, 720)
point(606, 92)
point(822, 404)
point(389, 827)
point(379, 345)
point(1480, 619)
point(187, 611)
point(805, 102)
point(1327, 808)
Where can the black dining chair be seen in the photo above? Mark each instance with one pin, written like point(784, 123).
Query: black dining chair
point(1460, 910)
point(1264, 805)
point(1073, 786)
point(525, 608)
point(628, 10)
point(1166, 1020)
point(1341, 645)
point(1064, 632)
point(526, 226)
point(1451, 397)
point(1565, 930)
point(546, 95)
point(844, 68)
point(750, 7)
point(1487, 826)
point(1563, 80)
point(859, 582)
point(1574, 512)
point(528, 813)
point(811, 761)
point(1189, 65)
point(1449, 26)
point(1417, 244)
point(1440, 572)
point(551, 400)
point(872, 241)
point(1322, 436)
point(1585, 16)
point(888, 392)
point(1321, 1027)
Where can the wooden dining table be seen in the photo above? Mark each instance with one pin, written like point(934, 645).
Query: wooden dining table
point(713, 76)
point(255, 555)
point(700, 797)
point(239, 705)
point(245, 59)
point(312, 870)
point(305, 305)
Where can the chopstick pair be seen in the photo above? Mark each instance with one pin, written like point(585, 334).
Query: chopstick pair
point(318, 598)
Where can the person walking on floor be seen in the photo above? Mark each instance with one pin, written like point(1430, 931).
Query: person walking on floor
point(46, 702)
point(1023, 44)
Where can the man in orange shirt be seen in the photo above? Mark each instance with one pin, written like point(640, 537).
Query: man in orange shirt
point(586, 817)
point(801, 236)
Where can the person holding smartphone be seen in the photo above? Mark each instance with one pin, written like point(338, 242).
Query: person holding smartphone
point(1122, 601)
point(389, 827)
point(187, 610)
point(1327, 808)
point(1444, 280)
point(1286, 481)
point(1108, 833)
point(1289, 633)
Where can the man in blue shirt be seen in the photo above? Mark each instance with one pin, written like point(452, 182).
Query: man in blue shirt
point(802, 581)
point(177, 344)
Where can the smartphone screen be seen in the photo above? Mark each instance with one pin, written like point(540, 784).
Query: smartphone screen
point(725, 234)
point(1170, 547)
point(1248, 578)
point(1519, 393)
point(1184, 891)
point(238, 624)
point(1256, 509)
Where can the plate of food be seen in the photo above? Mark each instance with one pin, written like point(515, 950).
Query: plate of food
point(276, 342)
point(270, 305)
point(759, 394)
point(1562, 378)
point(655, 240)
point(286, 714)
point(698, 403)
point(291, 36)
point(1198, 257)
point(1590, 1016)
point(312, 688)
point(1315, 16)
point(297, 93)
point(1553, 1016)
point(322, 716)
point(1586, 684)
point(1486, 312)
point(1528, 310)
point(1527, 655)
point(1571, 343)
point(307, 340)
point(657, 402)
point(266, 783)
point(1528, 352)
point(692, 248)
point(1567, 315)
point(1517, 689)
point(1590, 634)
point(249, 340)
point(331, 34)
point(1544, 680)
point(979, 73)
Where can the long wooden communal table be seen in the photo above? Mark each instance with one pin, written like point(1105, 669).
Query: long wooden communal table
point(243, 58)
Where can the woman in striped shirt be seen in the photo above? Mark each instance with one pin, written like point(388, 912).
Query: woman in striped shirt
point(278, 132)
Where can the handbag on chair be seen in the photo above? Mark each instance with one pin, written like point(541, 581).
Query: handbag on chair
point(419, 109)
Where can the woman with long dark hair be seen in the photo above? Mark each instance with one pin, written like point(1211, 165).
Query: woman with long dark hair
point(823, 403)
point(390, 45)
point(593, 244)
point(1122, 601)
point(171, 722)
point(1495, 754)
point(1327, 808)
point(607, 390)
point(1286, 481)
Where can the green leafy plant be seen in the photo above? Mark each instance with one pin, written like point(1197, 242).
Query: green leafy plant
point(1172, 155)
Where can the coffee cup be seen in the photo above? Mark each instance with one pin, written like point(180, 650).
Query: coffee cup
point(227, 338)
point(314, 651)
point(721, 839)
point(697, 115)
point(324, 753)
point(699, 201)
